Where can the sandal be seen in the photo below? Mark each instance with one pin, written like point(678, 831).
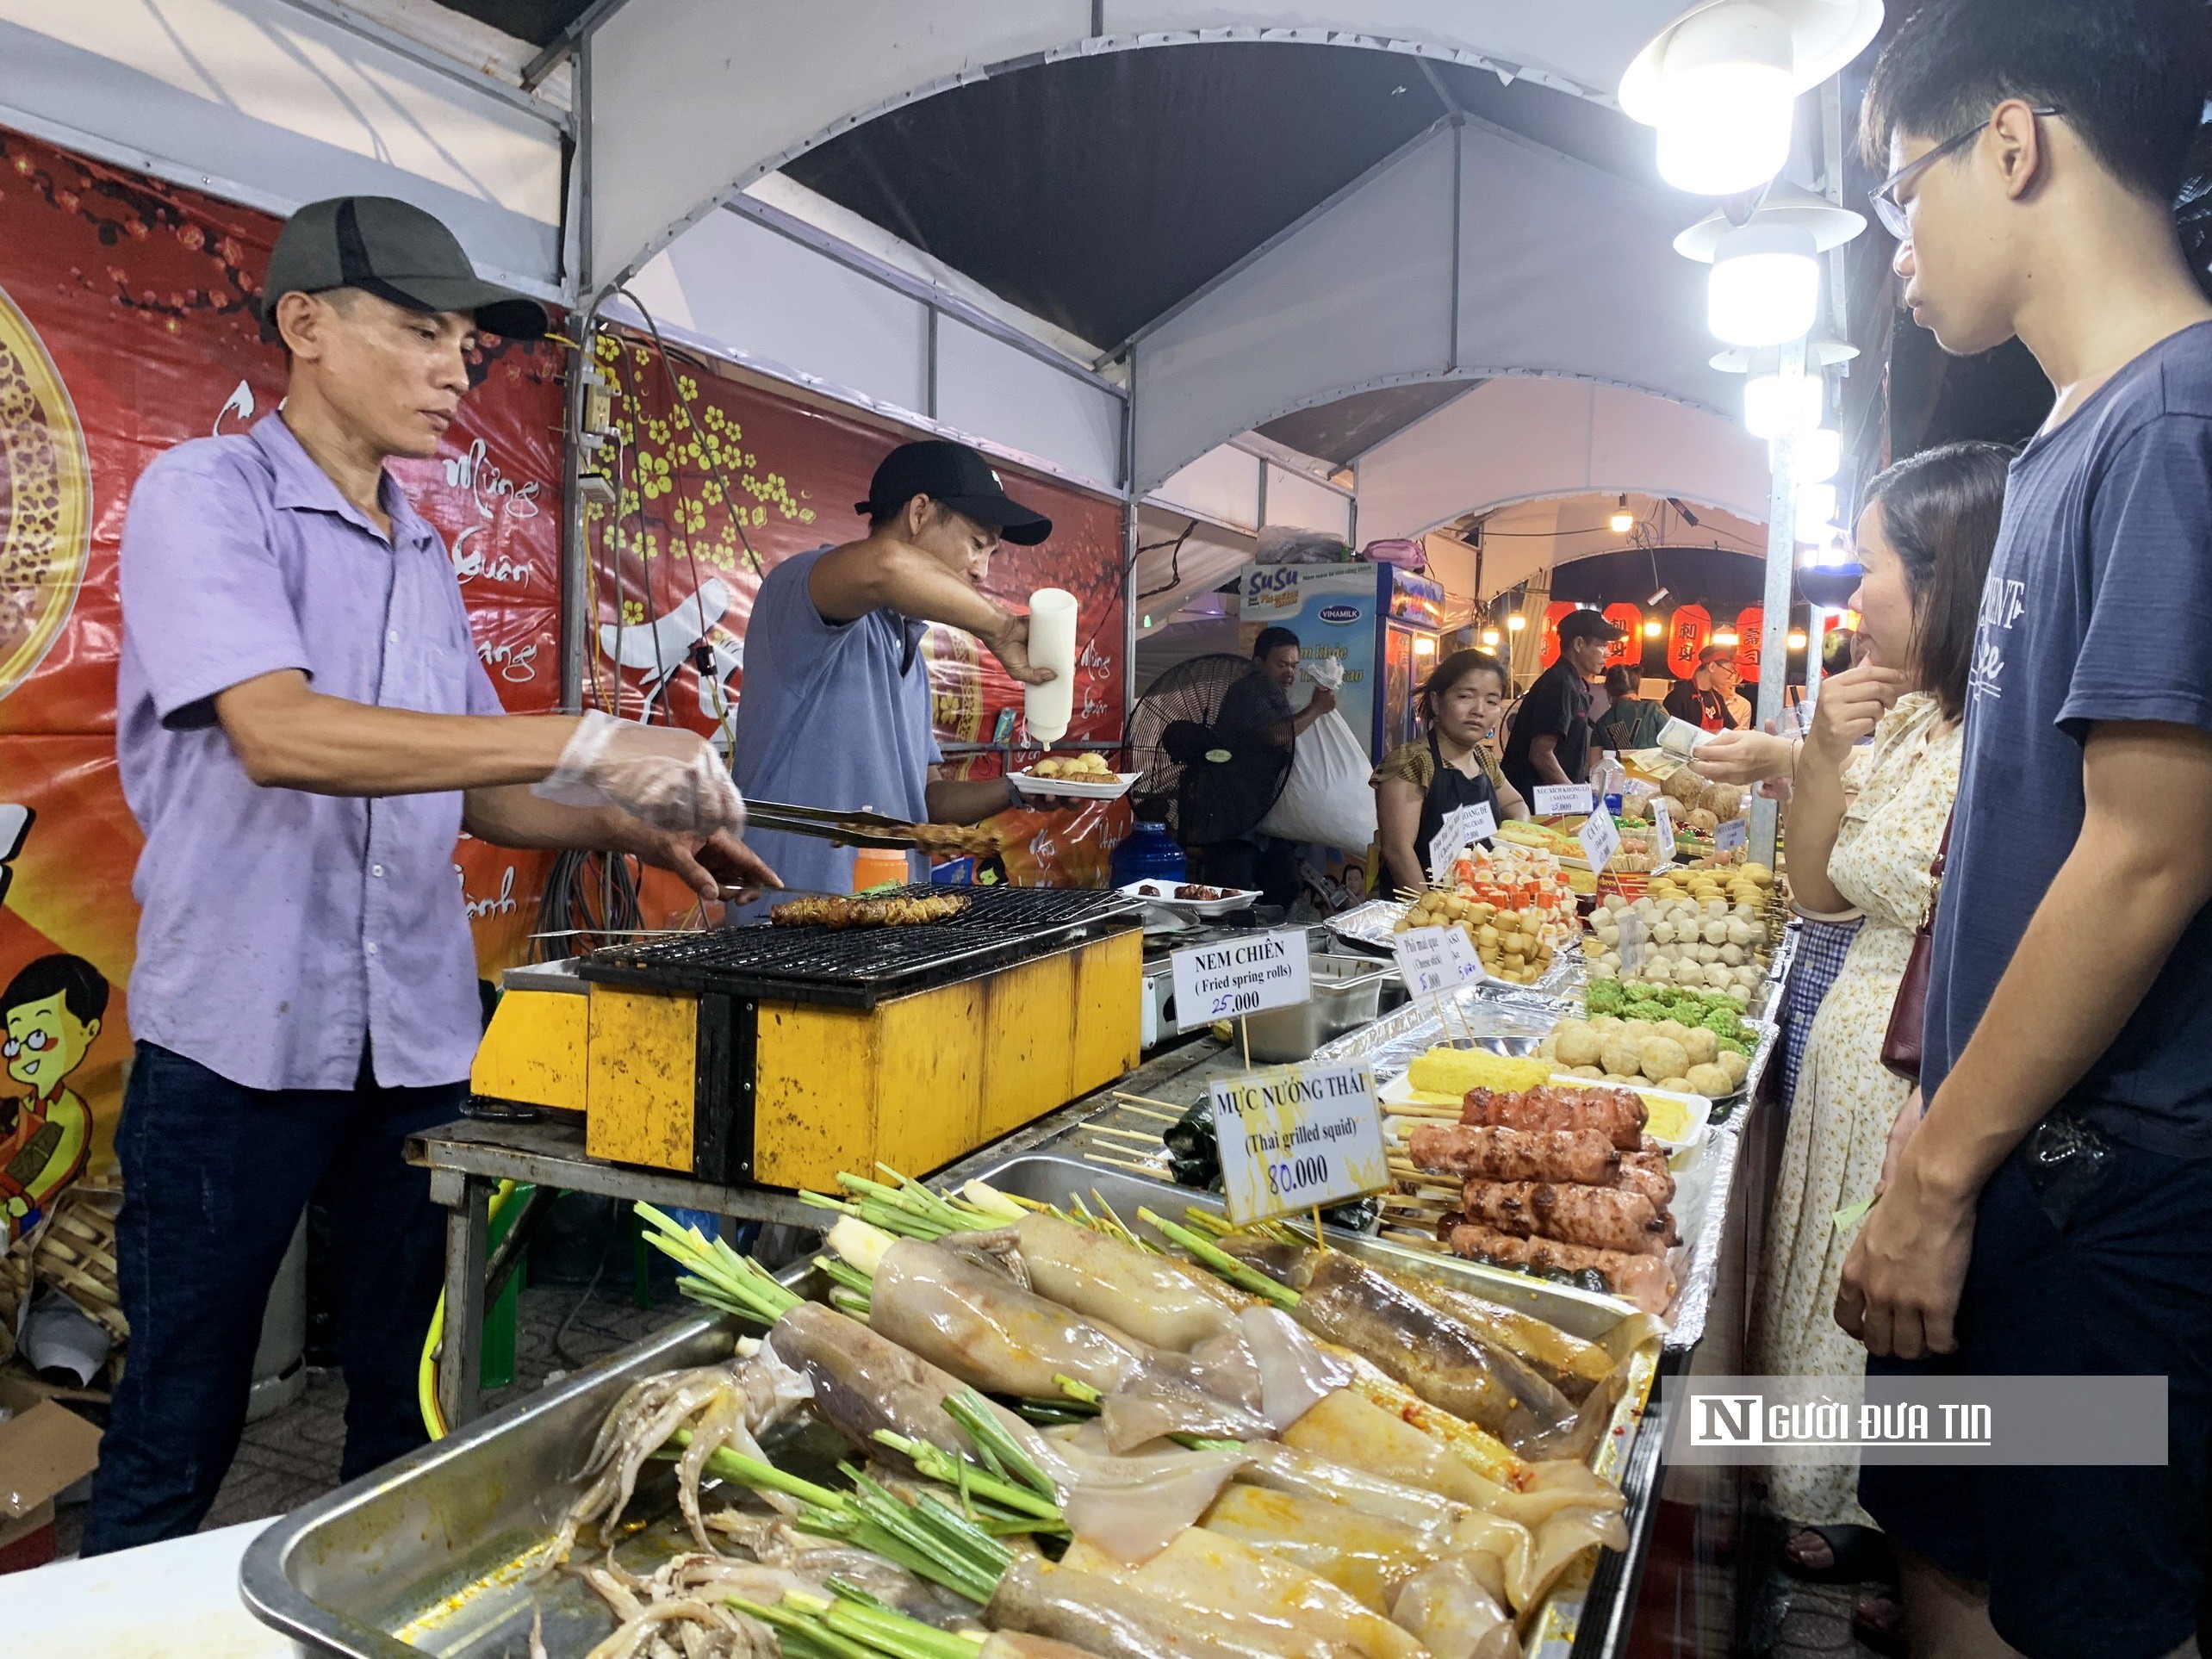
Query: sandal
point(1858, 1555)
point(1878, 1623)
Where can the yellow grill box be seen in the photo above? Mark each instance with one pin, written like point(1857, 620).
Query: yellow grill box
point(779, 1056)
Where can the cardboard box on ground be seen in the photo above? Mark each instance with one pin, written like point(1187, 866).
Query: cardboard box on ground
point(45, 1449)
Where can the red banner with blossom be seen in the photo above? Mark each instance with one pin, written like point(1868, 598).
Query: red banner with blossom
point(127, 326)
point(718, 480)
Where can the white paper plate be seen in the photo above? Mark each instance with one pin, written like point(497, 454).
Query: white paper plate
point(1161, 893)
point(1027, 783)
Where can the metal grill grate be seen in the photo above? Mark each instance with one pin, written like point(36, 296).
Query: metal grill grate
point(857, 966)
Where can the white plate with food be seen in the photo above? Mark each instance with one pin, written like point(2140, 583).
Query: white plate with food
point(1190, 897)
point(1677, 1121)
point(1084, 777)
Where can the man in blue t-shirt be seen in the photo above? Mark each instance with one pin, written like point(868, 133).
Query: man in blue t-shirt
point(835, 708)
point(2051, 1213)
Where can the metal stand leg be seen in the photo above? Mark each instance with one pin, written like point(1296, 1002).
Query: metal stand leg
point(460, 1366)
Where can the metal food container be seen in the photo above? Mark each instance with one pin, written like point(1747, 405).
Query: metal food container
point(1347, 994)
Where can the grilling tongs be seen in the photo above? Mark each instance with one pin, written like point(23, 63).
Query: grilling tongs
point(845, 829)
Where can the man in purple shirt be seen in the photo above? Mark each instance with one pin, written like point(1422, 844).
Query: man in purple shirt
point(304, 728)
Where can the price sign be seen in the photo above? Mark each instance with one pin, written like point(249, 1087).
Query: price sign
point(1600, 838)
point(1298, 1137)
point(1430, 960)
point(1242, 976)
point(1560, 800)
point(1736, 833)
point(1634, 937)
point(1462, 825)
point(1663, 829)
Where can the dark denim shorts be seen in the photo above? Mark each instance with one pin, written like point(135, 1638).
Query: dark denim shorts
point(2091, 1258)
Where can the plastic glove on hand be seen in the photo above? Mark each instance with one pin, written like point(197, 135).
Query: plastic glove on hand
point(667, 777)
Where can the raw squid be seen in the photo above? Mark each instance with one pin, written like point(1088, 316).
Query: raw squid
point(988, 1331)
point(1437, 1357)
point(1294, 1376)
point(1455, 1614)
point(717, 1403)
point(1305, 1474)
point(863, 1381)
point(1208, 1572)
point(1131, 1507)
point(1153, 1298)
point(1014, 1644)
point(1348, 1429)
point(1115, 1621)
point(1364, 1556)
point(1568, 1364)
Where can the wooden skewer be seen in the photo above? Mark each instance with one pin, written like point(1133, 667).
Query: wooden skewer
point(1147, 1100)
point(1140, 1111)
point(1095, 1157)
point(1125, 1134)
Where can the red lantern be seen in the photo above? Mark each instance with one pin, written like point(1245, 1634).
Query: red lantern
point(1751, 632)
point(1549, 654)
point(1627, 651)
point(1689, 631)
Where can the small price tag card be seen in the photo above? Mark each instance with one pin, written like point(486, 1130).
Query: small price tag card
point(1463, 825)
point(1433, 959)
point(1663, 829)
point(1736, 833)
point(1242, 976)
point(1298, 1137)
point(1600, 838)
point(1634, 937)
point(1562, 801)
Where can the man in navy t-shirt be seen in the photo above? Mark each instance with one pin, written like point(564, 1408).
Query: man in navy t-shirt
point(2051, 1212)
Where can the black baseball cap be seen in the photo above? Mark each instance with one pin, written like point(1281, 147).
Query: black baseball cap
point(1587, 624)
point(396, 251)
point(961, 478)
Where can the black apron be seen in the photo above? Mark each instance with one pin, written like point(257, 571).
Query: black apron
point(1448, 790)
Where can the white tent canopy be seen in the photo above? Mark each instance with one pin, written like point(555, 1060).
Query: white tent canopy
point(1523, 440)
point(685, 109)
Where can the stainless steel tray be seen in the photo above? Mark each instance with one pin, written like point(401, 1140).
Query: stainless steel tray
point(1552, 1628)
point(428, 1555)
point(1370, 926)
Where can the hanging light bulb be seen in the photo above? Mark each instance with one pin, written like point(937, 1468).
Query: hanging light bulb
point(1517, 622)
point(1770, 407)
point(1623, 520)
point(1819, 455)
point(1765, 286)
point(1725, 100)
point(1653, 628)
point(1816, 513)
point(1796, 639)
point(1719, 83)
point(1490, 635)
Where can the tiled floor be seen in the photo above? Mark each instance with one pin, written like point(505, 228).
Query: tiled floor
point(1818, 1622)
point(292, 1455)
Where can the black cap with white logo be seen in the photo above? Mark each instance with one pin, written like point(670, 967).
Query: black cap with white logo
point(396, 251)
point(961, 478)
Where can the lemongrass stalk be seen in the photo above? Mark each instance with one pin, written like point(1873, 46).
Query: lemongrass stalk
point(989, 1200)
point(947, 1469)
point(809, 1630)
point(1236, 1273)
point(851, 1303)
point(1081, 1393)
point(762, 1476)
point(972, 1413)
point(863, 1245)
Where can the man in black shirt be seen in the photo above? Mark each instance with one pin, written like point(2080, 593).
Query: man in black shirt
point(1703, 700)
point(1551, 741)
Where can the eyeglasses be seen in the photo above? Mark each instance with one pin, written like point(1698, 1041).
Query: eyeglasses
point(1891, 211)
point(37, 1042)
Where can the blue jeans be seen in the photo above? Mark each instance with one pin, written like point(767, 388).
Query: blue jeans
point(215, 1176)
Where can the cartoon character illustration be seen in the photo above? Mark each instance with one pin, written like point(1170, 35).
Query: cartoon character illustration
point(52, 1011)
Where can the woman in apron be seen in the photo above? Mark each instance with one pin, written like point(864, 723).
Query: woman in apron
point(1419, 785)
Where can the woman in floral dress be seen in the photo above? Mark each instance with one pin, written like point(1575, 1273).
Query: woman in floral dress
point(1872, 796)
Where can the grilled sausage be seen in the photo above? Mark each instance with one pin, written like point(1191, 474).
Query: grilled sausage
point(1647, 1281)
point(1617, 1114)
point(1581, 1155)
point(1604, 1218)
